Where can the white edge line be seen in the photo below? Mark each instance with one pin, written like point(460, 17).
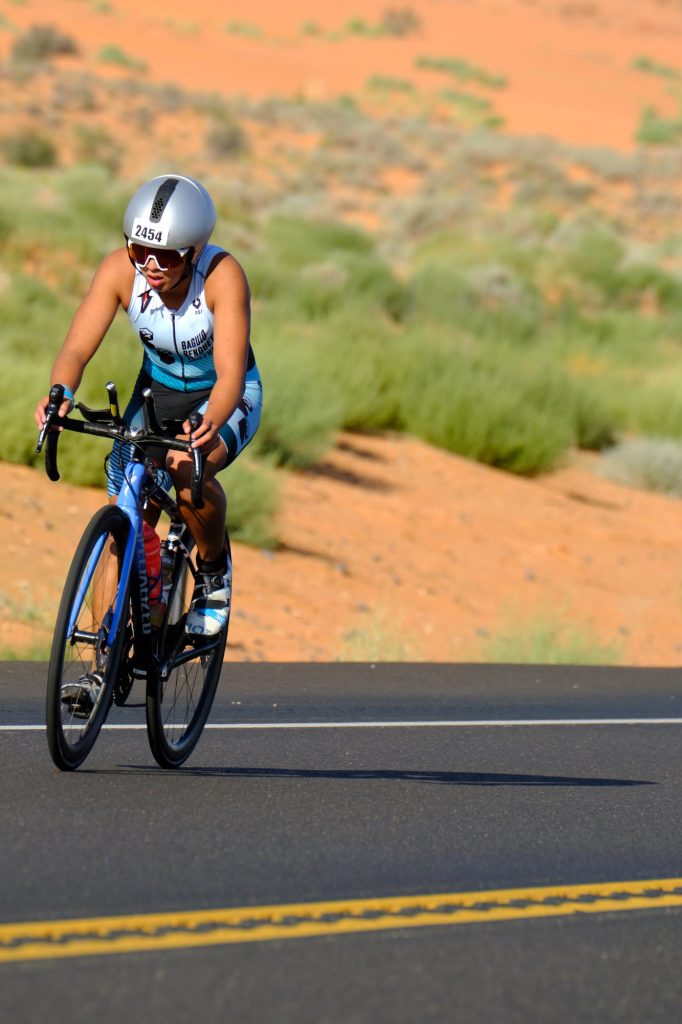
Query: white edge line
point(456, 724)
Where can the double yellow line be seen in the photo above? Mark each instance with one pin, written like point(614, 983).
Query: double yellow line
point(41, 940)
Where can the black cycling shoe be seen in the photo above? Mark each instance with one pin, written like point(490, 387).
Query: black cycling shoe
point(80, 697)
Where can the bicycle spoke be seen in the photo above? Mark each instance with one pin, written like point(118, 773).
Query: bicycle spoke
point(178, 704)
point(84, 653)
point(183, 696)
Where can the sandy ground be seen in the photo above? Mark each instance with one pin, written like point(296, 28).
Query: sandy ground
point(394, 550)
point(568, 62)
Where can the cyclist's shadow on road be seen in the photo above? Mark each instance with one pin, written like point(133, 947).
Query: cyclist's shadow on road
point(439, 778)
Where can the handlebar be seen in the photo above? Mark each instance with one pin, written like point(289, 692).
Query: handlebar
point(56, 399)
point(108, 423)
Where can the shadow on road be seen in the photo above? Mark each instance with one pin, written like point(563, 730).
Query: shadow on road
point(406, 775)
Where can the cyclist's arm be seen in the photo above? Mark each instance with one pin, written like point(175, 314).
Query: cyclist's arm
point(89, 325)
point(227, 293)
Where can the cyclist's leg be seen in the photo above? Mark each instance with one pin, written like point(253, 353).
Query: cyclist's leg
point(210, 610)
point(208, 524)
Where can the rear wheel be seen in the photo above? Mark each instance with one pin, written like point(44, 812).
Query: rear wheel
point(180, 693)
point(86, 653)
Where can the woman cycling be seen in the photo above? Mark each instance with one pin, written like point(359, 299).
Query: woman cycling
point(189, 303)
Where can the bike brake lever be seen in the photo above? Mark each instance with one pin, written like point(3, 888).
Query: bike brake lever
point(195, 420)
point(51, 414)
point(151, 411)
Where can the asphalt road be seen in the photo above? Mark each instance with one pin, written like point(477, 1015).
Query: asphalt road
point(295, 811)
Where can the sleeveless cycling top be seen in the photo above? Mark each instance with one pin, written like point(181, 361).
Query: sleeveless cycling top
point(178, 343)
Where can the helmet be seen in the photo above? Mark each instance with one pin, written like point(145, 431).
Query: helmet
point(170, 212)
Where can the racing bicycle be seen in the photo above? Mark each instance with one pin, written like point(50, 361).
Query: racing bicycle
point(105, 634)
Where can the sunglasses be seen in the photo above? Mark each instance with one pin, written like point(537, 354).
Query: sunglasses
point(166, 259)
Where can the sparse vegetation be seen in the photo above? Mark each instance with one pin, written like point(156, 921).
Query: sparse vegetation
point(547, 640)
point(226, 139)
point(389, 83)
point(652, 67)
point(399, 21)
point(359, 27)
point(245, 29)
point(653, 464)
point(654, 129)
point(252, 502)
point(28, 148)
point(94, 145)
point(394, 21)
point(31, 652)
point(376, 638)
point(41, 42)
point(112, 54)
point(463, 70)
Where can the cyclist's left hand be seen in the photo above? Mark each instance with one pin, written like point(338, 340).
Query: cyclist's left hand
point(205, 437)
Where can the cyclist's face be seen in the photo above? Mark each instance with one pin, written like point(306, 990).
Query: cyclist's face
point(163, 268)
point(162, 280)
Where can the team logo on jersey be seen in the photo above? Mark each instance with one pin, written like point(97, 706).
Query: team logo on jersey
point(197, 306)
point(147, 337)
point(146, 298)
point(199, 345)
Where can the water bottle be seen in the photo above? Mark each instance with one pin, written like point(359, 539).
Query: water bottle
point(152, 554)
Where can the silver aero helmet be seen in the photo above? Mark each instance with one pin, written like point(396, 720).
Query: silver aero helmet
point(170, 212)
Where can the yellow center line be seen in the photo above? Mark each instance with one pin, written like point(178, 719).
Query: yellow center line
point(39, 940)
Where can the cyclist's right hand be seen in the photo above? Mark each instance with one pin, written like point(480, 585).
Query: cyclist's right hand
point(40, 413)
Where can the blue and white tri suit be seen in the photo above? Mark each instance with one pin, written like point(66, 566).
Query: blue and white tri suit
point(178, 366)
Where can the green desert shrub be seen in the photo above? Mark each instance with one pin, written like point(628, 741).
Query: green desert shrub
point(367, 366)
point(252, 499)
point(246, 29)
point(315, 268)
point(389, 83)
point(499, 407)
point(377, 637)
point(652, 67)
point(94, 145)
point(301, 408)
point(226, 139)
point(29, 148)
point(40, 42)
point(113, 54)
point(547, 640)
point(455, 402)
point(655, 129)
point(649, 463)
point(399, 21)
point(463, 70)
point(490, 300)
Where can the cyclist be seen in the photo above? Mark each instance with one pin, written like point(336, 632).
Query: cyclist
point(189, 303)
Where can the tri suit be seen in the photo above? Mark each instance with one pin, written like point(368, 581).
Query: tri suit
point(178, 366)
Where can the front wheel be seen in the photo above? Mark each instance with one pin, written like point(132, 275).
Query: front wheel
point(180, 693)
point(86, 651)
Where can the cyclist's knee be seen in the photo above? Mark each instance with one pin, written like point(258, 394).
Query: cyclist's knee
point(180, 465)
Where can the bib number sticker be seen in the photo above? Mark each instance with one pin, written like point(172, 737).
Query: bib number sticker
point(151, 234)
